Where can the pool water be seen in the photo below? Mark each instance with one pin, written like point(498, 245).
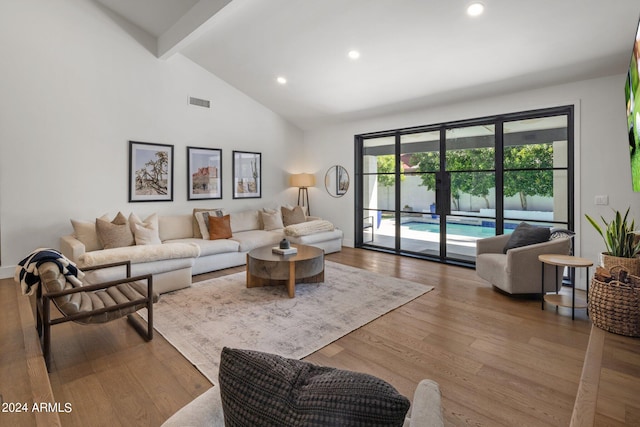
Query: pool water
point(455, 228)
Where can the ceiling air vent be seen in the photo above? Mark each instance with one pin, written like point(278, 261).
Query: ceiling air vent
point(199, 102)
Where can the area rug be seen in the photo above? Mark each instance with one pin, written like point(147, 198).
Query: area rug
point(199, 321)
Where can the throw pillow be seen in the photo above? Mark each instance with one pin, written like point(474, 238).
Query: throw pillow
point(86, 233)
point(202, 217)
point(145, 232)
point(263, 389)
point(271, 220)
point(219, 227)
point(114, 234)
point(526, 234)
point(197, 226)
point(292, 216)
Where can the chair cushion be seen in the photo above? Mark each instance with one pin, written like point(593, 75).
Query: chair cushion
point(261, 389)
point(526, 234)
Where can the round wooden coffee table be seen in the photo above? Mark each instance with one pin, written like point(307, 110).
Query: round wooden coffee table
point(265, 268)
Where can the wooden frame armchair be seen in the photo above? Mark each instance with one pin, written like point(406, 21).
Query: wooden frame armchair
point(91, 303)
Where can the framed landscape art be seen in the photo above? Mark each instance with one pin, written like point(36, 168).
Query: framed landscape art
point(150, 172)
point(204, 173)
point(247, 175)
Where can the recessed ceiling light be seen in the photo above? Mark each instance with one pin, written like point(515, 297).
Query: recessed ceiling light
point(354, 54)
point(475, 9)
point(281, 80)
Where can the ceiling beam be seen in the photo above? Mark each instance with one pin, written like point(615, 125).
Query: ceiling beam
point(188, 27)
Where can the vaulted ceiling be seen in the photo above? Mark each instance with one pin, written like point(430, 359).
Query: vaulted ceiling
point(413, 53)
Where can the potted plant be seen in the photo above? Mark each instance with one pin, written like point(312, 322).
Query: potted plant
point(620, 239)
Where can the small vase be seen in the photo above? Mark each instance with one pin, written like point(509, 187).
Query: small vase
point(284, 244)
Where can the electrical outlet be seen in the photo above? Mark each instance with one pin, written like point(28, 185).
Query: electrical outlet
point(602, 200)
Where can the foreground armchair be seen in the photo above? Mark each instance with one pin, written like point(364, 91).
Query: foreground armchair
point(518, 271)
point(91, 303)
point(261, 389)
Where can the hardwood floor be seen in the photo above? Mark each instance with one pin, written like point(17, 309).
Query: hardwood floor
point(500, 361)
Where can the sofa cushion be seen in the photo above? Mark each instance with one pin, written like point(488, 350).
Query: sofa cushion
point(317, 237)
point(263, 389)
point(256, 238)
point(271, 220)
point(527, 234)
point(219, 227)
point(244, 221)
point(114, 234)
point(292, 216)
point(211, 247)
point(175, 226)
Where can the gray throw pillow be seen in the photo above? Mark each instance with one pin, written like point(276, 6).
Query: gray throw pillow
point(526, 234)
point(261, 389)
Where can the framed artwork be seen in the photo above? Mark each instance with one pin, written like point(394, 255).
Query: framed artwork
point(247, 175)
point(204, 173)
point(150, 172)
point(342, 181)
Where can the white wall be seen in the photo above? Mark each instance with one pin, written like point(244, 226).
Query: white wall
point(75, 87)
point(602, 154)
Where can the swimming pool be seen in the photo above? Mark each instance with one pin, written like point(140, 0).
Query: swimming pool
point(469, 230)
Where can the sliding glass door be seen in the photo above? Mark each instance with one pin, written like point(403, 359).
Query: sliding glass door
point(433, 191)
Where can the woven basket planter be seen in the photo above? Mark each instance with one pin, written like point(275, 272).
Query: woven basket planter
point(632, 265)
point(615, 306)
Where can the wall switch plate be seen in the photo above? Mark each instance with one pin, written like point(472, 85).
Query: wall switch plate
point(602, 200)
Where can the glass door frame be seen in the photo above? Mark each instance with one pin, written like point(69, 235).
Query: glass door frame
point(498, 121)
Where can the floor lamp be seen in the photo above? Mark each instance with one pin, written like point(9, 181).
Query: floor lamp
point(303, 181)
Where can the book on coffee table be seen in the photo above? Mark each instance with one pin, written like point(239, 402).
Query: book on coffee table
point(290, 251)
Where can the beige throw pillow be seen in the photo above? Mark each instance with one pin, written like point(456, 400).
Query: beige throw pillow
point(145, 232)
point(271, 220)
point(114, 234)
point(86, 233)
point(292, 216)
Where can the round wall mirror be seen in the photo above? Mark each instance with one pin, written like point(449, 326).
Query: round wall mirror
point(336, 181)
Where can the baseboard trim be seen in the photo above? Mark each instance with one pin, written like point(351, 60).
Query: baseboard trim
point(7, 272)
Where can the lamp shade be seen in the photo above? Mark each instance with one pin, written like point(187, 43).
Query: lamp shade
point(302, 180)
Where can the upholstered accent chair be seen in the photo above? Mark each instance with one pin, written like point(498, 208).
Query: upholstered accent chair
point(518, 271)
point(92, 303)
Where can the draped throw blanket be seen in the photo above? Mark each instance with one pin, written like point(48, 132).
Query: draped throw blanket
point(27, 270)
point(309, 227)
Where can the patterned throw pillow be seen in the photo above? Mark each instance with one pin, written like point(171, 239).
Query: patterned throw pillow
point(202, 218)
point(261, 389)
point(219, 227)
point(292, 216)
point(197, 221)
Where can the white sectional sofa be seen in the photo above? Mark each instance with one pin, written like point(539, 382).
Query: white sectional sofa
point(183, 252)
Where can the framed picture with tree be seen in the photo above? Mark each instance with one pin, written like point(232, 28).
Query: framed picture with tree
point(247, 175)
point(150, 172)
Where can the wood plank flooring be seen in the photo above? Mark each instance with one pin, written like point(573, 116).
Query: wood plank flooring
point(500, 361)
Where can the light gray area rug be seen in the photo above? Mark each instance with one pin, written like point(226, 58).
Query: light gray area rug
point(200, 320)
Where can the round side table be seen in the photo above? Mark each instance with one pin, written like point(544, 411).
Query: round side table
point(564, 261)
